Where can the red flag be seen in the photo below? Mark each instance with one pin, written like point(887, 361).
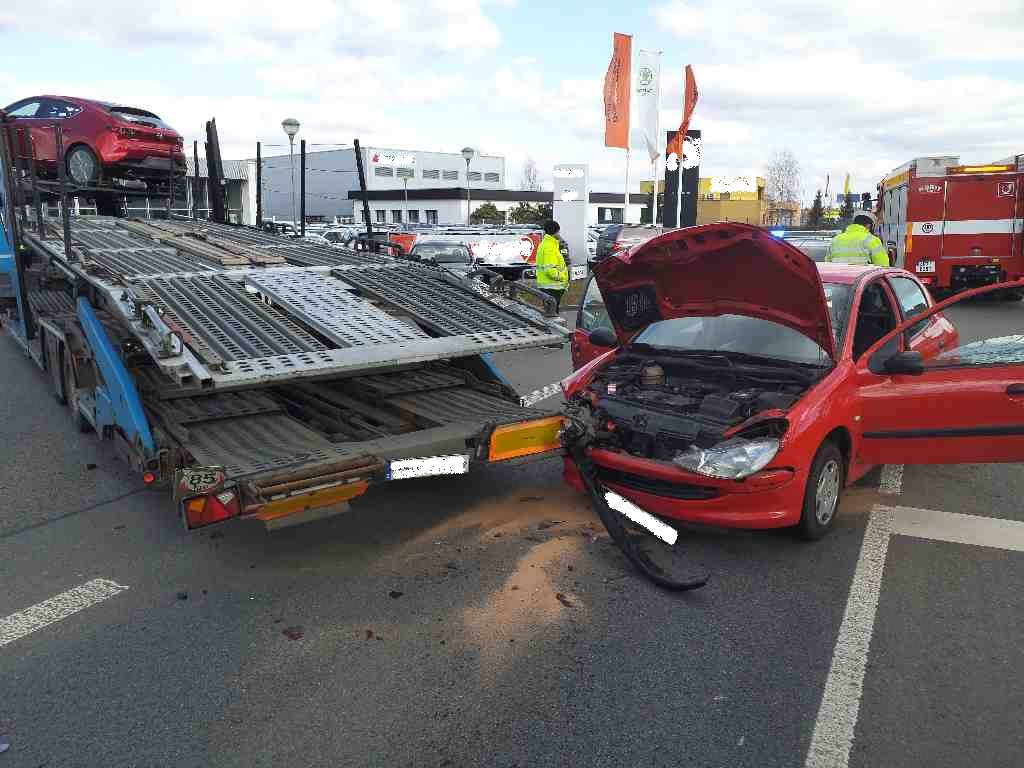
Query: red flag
point(689, 102)
point(616, 93)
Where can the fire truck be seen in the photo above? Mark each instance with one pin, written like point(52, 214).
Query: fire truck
point(955, 226)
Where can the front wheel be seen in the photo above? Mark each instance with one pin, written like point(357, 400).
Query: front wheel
point(82, 165)
point(821, 499)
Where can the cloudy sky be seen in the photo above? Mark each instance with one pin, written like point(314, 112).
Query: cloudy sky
point(859, 87)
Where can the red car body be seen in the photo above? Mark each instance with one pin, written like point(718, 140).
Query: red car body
point(941, 404)
point(125, 142)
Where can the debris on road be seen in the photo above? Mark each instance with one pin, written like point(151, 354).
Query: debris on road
point(549, 524)
point(452, 566)
point(292, 633)
point(370, 634)
point(564, 600)
point(90, 465)
point(394, 594)
point(526, 499)
point(4, 746)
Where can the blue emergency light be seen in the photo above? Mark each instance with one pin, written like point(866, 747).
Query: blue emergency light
point(778, 232)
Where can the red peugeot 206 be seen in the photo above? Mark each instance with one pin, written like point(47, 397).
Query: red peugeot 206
point(746, 386)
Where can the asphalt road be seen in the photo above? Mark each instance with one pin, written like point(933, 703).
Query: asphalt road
point(424, 627)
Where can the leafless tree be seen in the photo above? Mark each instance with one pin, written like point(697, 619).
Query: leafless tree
point(782, 183)
point(529, 180)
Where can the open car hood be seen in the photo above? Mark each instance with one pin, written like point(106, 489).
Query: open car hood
point(715, 269)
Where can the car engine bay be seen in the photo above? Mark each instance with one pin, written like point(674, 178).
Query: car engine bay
point(656, 407)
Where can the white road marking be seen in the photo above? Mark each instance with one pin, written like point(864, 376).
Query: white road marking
point(959, 529)
point(58, 607)
point(840, 702)
point(892, 480)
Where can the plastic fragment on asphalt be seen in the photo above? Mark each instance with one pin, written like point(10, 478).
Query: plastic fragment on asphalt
point(394, 594)
point(666, 533)
point(563, 600)
point(292, 633)
point(4, 746)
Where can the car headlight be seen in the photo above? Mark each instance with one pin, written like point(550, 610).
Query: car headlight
point(732, 460)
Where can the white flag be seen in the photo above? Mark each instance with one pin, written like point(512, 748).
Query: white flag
point(648, 99)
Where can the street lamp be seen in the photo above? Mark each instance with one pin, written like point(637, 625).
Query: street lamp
point(291, 127)
point(467, 155)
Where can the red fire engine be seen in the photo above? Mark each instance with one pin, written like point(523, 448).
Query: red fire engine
point(955, 226)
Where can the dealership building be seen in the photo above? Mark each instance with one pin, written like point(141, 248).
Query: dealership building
point(409, 187)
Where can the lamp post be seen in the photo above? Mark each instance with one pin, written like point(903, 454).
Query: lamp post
point(291, 127)
point(467, 155)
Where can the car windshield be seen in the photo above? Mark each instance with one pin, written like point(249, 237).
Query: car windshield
point(442, 254)
point(733, 333)
point(139, 116)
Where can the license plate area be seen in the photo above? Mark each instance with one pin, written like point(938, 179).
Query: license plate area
point(925, 267)
point(427, 466)
point(578, 271)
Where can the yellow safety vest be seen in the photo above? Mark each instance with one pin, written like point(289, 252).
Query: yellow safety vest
point(551, 270)
point(856, 245)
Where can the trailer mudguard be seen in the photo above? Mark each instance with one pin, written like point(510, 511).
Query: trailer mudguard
point(117, 400)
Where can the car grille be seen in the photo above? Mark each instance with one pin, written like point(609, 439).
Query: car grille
point(657, 487)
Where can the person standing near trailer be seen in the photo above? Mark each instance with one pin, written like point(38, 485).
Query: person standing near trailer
point(552, 274)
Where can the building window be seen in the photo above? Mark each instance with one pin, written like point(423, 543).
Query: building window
point(431, 217)
point(474, 176)
point(492, 177)
point(383, 170)
point(396, 216)
point(406, 173)
point(431, 174)
point(414, 217)
point(381, 216)
point(451, 175)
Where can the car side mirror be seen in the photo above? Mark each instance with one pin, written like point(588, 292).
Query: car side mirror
point(910, 363)
point(603, 337)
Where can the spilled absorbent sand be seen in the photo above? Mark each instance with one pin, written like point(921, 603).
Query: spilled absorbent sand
point(514, 615)
point(516, 513)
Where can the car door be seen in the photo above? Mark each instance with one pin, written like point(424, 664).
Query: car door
point(28, 115)
point(930, 336)
point(590, 316)
point(965, 405)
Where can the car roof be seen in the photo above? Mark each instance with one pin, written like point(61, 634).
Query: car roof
point(439, 242)
point(844, 274)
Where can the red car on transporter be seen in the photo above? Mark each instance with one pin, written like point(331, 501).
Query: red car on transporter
point(101, 140)
point(748, 385)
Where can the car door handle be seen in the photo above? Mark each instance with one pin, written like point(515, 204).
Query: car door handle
point(1016, 390)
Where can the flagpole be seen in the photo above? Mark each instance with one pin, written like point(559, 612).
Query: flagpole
point(679, 186)
point(625, 198)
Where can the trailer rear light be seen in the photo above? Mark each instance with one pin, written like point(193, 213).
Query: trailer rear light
point(200, 511)
point(149, 478)
point(525, 438)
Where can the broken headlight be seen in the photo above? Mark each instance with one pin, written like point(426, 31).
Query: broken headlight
point(732, 460)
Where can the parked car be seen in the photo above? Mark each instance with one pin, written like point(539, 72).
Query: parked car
point(619, 237)
point(101, 140)
point(455, 257)
point(730, 380)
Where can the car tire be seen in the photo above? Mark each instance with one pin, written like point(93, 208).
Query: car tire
point(824, 488)
point(82, 166)
point(1011, 295)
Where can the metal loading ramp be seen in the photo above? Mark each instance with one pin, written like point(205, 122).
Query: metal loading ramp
point(254, 432)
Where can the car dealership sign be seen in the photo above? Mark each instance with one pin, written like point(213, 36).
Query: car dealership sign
point(733, 184)
point(385, 158)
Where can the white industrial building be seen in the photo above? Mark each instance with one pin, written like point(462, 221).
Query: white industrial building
point(331, 178)
point(408, 187)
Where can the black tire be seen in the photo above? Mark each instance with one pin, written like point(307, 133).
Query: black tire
point(827, 470)
point(1011, 295)
point(71, 388)
point(82, 165)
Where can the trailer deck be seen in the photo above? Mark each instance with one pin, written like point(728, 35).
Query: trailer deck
point(275, 363)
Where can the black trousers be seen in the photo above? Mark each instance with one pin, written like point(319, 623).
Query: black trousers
point(556, 294)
